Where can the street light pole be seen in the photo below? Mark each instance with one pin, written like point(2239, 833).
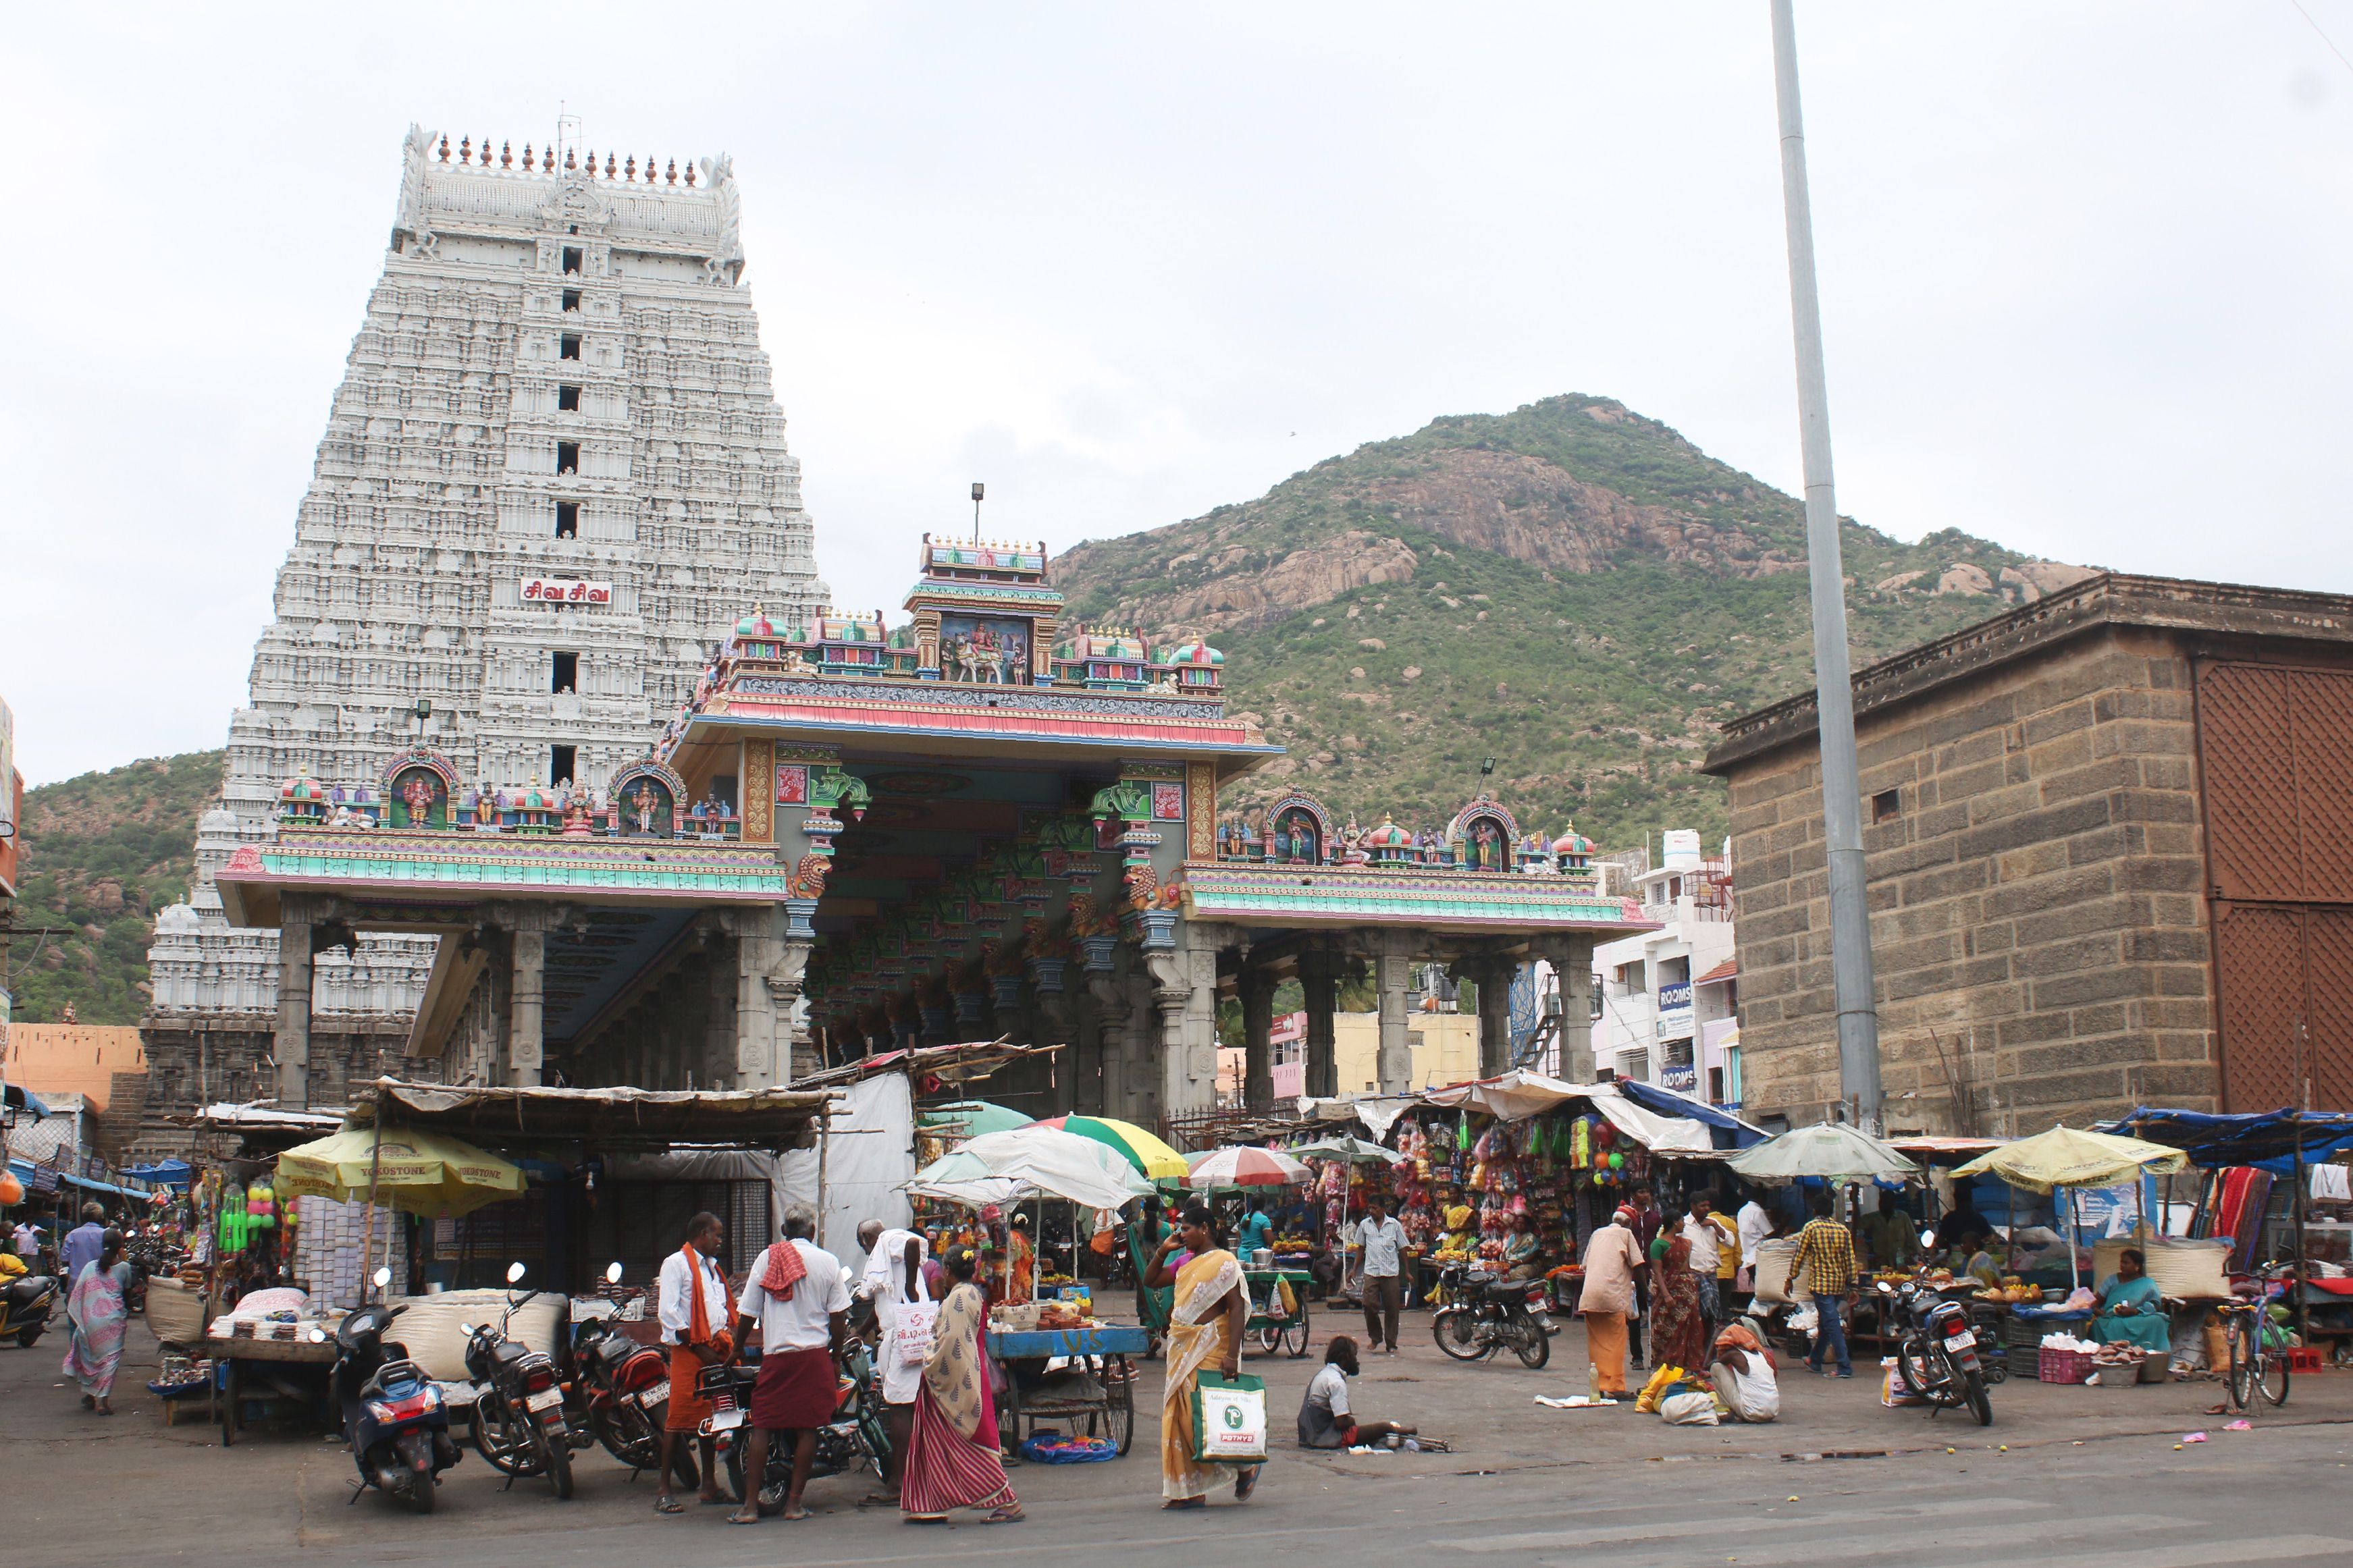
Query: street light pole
point(1857, 1016)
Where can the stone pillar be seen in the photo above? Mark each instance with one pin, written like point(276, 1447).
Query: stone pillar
point(527, 1010)
point(714, 1066)
point(760, 958)
point(1571, 958)
point(1317, 979)
point(292, 1043)
point(1184, 994)
point(1394, 973)
point(1107, 1011)
point(1257, 990)
point(1494, 978)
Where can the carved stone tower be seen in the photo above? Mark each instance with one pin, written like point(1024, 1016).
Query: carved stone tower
point(554, 476)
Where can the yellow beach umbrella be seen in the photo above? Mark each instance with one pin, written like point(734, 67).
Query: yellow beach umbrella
point(2071, 1157)
point(421, 1173)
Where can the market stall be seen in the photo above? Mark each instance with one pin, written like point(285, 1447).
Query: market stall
point(1278, 1292)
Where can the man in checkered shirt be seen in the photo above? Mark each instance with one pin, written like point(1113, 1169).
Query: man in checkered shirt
point(1825, 1260)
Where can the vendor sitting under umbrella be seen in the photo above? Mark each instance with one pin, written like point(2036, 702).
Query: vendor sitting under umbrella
point(2131, 1310)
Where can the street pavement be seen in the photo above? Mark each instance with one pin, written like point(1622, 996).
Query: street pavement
point(2072, 1478)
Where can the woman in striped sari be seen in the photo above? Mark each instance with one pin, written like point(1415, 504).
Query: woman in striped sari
point(953, 1458)
point(1204, 1330)
point(97, 1313)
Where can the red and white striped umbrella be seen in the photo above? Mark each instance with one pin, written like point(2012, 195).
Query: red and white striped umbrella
point(1246, 1168)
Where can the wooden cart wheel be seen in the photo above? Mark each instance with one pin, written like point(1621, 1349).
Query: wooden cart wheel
point(1119, 1403)
point(1009, 1412)
point(1297, 1334)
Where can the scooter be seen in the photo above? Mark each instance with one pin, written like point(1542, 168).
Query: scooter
point(625, 1388)
point(519, 1424)
point(26, 1306)
point(398, 1428)
point(1936, 1350)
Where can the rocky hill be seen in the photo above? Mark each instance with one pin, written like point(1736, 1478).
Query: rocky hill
point(1571, 589)
point(102, 854)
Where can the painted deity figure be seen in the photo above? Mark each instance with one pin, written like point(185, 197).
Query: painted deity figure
point(1486, 847)
point(642, 808)
point(419, 796)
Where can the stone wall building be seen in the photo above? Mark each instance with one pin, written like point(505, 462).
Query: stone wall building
point(2108, 864)
point(552, 476)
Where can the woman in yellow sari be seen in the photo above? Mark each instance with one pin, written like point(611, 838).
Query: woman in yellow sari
point(1204, 1330)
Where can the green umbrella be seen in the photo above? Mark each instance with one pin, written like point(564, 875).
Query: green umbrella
point(971, 1118)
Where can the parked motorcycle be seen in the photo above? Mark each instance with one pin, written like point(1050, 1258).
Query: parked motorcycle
point(24, 1307)
point(624, 1387)
point(1483, 1315)
point(854, 1437)
point(1935, 1350)
point(519, 1424)
point(393, 1415)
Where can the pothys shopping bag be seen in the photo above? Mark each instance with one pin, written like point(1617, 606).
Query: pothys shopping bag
point(1228, 1419)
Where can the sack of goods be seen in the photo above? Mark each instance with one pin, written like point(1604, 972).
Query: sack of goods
point(1228, 1419)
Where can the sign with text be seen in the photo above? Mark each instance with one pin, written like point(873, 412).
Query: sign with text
point(565, 591)
point(1686, 1078)
point(1675, 1010)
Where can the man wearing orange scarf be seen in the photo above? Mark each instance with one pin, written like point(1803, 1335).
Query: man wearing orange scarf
point(691, 1302)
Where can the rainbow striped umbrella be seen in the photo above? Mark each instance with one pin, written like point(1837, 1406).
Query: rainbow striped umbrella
point(1140, 1149)
point(1245, 1167)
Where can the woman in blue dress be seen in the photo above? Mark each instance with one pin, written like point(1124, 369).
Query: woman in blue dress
point(2131, 1310)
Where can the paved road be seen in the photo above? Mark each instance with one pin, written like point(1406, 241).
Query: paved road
point(1525, 1489)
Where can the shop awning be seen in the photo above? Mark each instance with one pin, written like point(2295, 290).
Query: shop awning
point(613, 1120)
point(2266, 1138)
point(1736, 1134)
point(2073, 1157)
point(1517, 1095)
point(16, 1097)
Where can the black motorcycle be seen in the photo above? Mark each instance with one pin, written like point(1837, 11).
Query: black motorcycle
point(1935, 1349)
point(1483, 1315)
point(393, 1415)
point(519, 1425)
point(855, 1437)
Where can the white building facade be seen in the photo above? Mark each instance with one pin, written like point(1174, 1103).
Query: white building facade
point(554, 474)
point(1661, 997)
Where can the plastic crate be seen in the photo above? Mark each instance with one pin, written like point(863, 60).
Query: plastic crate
point(2025, 1361)
point(2305, 1358)
point(2063, 1366)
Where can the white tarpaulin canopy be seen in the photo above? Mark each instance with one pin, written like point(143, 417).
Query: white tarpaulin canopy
point(1831, 1149)
point(1519, 1094)
point(1029, 1161)
point(869, 1153)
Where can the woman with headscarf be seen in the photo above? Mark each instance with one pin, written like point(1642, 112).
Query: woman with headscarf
point(1021, 1272)
point(1205, 1329)
point(97, 1312)
point(953, 1458)
point(1678, 1329)
point(1612, 1258)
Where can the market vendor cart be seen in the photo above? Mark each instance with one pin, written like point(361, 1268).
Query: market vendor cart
point(239, 1359)
point(1096, 1386)
point(1270, 1326)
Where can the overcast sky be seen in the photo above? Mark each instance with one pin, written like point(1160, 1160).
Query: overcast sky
point(2083, 269)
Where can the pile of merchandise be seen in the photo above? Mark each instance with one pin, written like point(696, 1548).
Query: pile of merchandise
point(1462, 1193)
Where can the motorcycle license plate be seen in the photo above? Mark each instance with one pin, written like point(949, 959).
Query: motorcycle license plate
point(659, 1394)
point(545, 1399)
point(722, 1421)
point(1960, 1342)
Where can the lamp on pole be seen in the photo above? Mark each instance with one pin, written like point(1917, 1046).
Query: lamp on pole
point(978, 489)
point(1858, 1015)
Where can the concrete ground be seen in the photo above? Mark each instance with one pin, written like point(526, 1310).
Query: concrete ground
point(2076, 1478)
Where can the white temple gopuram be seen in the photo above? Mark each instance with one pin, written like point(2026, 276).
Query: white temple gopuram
point(552, 476)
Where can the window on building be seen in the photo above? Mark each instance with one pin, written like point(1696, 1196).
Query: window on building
point(567, 456)
point(572, 259)
point(571, 299)
point(1886, 805)
point(568, 346)
point(1674, 970)
point(567, 399)
point(1715, 1086)
point(567, 519)
point(1629, 976)
point(565, 674)
point(561, 761)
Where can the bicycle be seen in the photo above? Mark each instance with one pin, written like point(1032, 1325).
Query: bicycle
point(2252, 1364)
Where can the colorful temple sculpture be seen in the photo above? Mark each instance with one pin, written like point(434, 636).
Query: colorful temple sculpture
point(856, 838)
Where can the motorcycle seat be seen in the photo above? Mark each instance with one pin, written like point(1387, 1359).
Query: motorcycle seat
point(405, 1376)
point(29, 1287)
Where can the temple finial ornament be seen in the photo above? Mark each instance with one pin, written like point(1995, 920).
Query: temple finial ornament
point(465, 150)
point(445, 149)
point(671, 177)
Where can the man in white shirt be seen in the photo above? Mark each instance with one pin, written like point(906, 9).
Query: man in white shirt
point(1706, 1232)
point(1756, 1226)
point(894, 1281)
point(798, 1296)
point(28, 1241)
point(695, 1339)
point(1382, 1282)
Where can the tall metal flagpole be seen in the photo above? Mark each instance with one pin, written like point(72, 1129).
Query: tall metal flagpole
point(1857, 1016)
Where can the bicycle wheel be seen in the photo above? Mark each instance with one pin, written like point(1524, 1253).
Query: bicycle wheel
point(2271, 1376)
point(2238, 1372)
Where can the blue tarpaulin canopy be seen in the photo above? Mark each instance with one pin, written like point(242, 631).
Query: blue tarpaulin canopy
point(166, 1173)
point(16, 1097)
point(24, 1169)
point(1728, 1129)
point(2266, 1138)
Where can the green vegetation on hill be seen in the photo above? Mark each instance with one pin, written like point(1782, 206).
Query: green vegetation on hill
point(1571, 589)
point(103, 853)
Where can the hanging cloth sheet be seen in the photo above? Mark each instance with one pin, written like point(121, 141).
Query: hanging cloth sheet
point(2332, 1183)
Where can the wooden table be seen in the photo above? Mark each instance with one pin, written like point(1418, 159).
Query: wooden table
point(232, 1354)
